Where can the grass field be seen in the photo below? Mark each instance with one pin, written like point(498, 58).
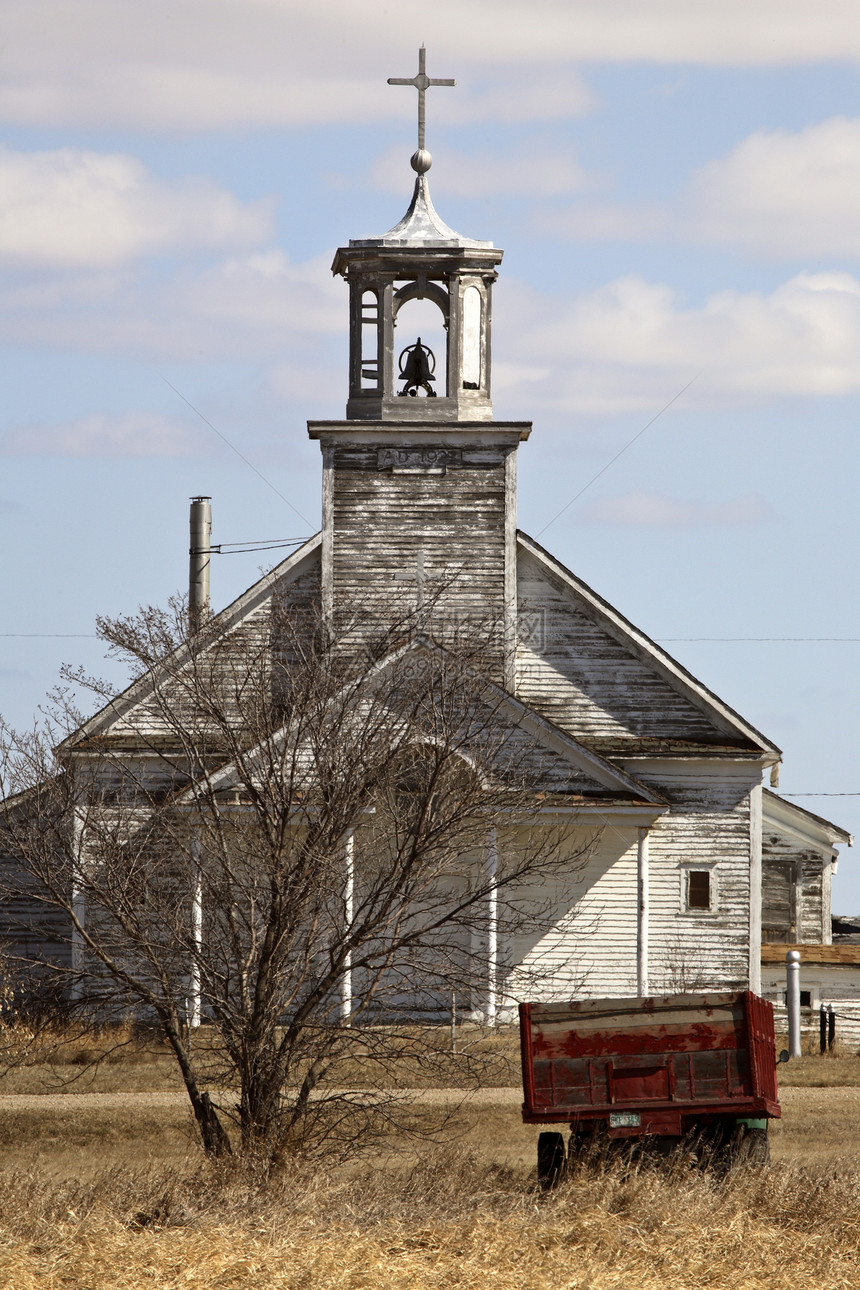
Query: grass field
point(105, 1190)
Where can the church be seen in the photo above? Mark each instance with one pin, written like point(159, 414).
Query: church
point(693, 864)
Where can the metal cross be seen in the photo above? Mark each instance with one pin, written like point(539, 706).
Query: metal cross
point(422, 83)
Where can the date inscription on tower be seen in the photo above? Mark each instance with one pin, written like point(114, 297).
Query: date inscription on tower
point(419, 461)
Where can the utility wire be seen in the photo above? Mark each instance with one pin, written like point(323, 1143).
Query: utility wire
point(638, 435)
point(838, 640)
point(239, 454)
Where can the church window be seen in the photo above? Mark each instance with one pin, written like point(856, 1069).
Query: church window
point(699, 889)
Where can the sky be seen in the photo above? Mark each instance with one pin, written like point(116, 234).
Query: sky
point(676, 186)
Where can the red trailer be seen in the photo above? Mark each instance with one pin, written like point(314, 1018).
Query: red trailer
point(661, 1068)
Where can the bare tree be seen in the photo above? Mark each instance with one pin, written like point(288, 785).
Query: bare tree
point(284, 848)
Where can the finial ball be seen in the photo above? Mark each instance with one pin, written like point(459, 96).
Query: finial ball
point(421, 161)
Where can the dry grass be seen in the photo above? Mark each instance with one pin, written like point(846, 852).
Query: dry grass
point(109, 1194)
point(834, 1070)
point(451, 1219)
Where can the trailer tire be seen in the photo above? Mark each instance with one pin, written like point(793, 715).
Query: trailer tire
point(753, 1148)
point(550, 1160)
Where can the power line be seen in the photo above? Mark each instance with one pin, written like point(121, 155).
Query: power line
point(819, 794)
point(837, 640)
point(638, 435)
point(239, 454)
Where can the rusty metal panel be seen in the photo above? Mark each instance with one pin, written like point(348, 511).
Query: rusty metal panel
point(672, 1056)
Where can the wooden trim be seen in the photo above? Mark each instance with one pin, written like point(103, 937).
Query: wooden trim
point(847, 954)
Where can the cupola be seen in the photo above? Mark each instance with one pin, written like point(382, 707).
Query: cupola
point(393, 376)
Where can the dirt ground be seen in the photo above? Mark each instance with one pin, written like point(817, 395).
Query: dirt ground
point(70, 1133)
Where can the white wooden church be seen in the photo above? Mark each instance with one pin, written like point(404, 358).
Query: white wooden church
point(695, 863)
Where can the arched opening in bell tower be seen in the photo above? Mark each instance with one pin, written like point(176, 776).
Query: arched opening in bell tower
point(370, 375)
point(422, 318)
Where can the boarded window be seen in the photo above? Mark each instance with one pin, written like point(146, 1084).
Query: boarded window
point(698, 889)
point(779, 901)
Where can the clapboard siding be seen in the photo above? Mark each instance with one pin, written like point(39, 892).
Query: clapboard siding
point(793, 901)
point(384, 523)
point(573, 671)
point(226, 668)
point(591, 948)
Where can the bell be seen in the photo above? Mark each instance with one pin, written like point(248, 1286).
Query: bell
point(415, 369)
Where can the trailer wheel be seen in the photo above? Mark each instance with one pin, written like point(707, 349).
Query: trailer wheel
point(550, 1160)
point(753, 1148)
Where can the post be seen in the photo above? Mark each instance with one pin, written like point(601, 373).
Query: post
point(642, 914)
point(792, 1000)
point(79, 908)
point(199, 559)
point(822, 1030)
point(491, 1010)
point(831, 1027)
point(349, 912)
point(194, 1006)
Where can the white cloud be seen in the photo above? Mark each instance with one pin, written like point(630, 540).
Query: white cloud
point(780, 193)
point(777, 194)
point(655, 510)
point(533, 174)
point(246, 306)
point(129, 434)
point(632, 344)
point(208, 64)
point(71, 207)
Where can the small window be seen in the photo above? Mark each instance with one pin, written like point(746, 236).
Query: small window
point(806, 998)
point(698, 889)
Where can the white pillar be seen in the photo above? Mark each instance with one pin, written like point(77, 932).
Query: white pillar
point(491, 1010)
point(755, 889)
point(194, 1006)
point(792, 1000)
point(642, 914)
point(349, 911)
point(79, 907)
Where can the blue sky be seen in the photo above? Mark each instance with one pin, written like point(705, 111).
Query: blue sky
point(676, 186)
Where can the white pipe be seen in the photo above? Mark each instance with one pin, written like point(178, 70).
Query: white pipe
point(194, 1007)
point(349, 912)
point(642, 914)
point(792, 1001)
point(491, 1010)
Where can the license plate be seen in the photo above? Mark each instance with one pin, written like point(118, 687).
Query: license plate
point(624, 1119)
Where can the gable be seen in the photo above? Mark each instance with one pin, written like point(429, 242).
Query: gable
point(587, 669)
point(567, 773)
point(295, 582)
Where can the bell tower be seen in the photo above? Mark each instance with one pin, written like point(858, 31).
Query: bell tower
point(419, 481)
point(421, 258)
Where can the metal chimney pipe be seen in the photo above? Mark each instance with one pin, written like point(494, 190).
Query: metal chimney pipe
point(199, 556)
point(792, 1001)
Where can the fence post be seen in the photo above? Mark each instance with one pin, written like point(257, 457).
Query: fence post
point(831, 1027)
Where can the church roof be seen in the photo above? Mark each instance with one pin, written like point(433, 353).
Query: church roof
point(737, 734)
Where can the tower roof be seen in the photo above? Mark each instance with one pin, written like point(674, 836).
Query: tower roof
point(421, 226)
